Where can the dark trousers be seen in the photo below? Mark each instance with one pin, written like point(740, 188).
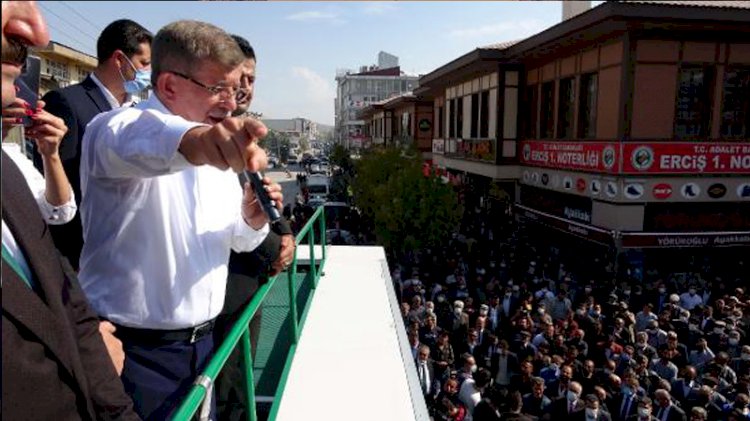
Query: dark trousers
point(158, 376)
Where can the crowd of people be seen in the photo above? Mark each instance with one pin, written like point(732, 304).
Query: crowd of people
point(502, 326)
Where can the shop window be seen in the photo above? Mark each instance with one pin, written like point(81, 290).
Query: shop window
point(565, 108)
point(460, 117)
point(452, 118)
point(587, 106)
point(474, 116)
point(530, 114)
point(735, 107)
point(484, 115)
point(547, 126)
point(440, 118)
point(693, 102)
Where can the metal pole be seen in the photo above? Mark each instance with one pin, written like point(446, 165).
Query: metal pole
point(247, 363)
point(293, 324)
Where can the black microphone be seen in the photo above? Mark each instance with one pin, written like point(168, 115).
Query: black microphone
point(256, 179)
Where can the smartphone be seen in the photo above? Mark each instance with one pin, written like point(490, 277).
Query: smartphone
point(28, 85)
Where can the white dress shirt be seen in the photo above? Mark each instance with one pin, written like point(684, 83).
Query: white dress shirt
point(53, 215)
point(157, 230)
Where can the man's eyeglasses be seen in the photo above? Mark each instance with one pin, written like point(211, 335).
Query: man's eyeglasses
point(224, 92)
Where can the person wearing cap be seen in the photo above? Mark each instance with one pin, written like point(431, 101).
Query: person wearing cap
point(717, 337)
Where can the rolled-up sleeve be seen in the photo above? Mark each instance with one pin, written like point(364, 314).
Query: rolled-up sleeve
point(135, 143)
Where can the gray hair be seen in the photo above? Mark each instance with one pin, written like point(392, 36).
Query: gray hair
point(187, 44)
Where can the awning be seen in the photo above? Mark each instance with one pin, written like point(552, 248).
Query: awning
point(578, 229)
point(685, 239)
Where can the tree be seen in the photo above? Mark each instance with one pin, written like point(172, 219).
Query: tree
point(277, 143)
point(408, 210)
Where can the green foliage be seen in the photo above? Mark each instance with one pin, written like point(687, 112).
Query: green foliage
point(408, 210)
point(276, 143)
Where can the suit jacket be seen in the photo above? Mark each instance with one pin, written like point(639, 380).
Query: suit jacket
point(55, 364)
point(675, 413)
point(558, 410)
point(581, 416)
point(76, 105)
point(678, 391)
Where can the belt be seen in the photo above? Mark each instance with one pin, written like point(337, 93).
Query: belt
point(191, 334)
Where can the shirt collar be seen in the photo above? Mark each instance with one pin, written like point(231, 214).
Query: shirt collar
point(113, 102)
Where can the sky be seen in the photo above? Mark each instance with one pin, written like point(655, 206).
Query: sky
point(300, 44)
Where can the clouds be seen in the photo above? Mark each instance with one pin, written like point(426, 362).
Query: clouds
point(315, 16)
point(313, 93)
point(378, 8)
point(513, 29)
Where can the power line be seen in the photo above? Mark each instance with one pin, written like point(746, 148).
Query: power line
point(70, 37)
point(66, 21)
point(93, 25)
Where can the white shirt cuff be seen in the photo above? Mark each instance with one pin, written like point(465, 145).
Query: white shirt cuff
point(246, 238)
point(58, 215)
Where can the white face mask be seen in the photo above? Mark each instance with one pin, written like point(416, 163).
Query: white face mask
point(474, 368)
point(733, 341)
point(457, 311)
point(572, 396)
point(591, 413)
point(745, 357)
point(644, 412)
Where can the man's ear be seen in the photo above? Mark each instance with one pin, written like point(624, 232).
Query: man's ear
point(166, 85)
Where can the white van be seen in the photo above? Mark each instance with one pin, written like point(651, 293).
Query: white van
point(318, 187)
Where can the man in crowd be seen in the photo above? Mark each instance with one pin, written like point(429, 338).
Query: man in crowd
point(55, 364)
point(124, 58)
point(157, 171)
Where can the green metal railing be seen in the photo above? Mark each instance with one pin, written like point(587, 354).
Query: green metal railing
point(240, 332)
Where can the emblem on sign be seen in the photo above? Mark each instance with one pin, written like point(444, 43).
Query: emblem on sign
point(662, 191)
point(567, 183)
point(634, 190)
point(526, 176)
point(608, 157)
point(642, 158)
point(535, 177)
point(596, 187)
point(717, 191)
point(581, 185)
point(545, 179)
point(611, 189)
point(743, 191)
point(526, 152)
point(690, 191)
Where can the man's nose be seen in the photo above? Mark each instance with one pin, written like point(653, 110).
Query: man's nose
point(26, 23)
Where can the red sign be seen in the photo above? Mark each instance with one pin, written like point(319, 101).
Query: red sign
point(686, 158)
point(662, 191)
point(583, 156)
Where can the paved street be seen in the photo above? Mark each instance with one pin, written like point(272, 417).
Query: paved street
point(289, 185)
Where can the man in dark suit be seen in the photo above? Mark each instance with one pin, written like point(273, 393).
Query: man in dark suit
point(55, 364)
point(592, 411)
point(429, 383)
point(666, 410)
point(565, 407)
point(685, 389)
point(247, 272)
point(123, 52)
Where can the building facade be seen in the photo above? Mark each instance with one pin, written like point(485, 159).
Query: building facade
point(626, 126)
point(355, 91)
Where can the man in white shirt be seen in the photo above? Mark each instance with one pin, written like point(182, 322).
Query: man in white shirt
point(472, 389)
point(160, 213)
